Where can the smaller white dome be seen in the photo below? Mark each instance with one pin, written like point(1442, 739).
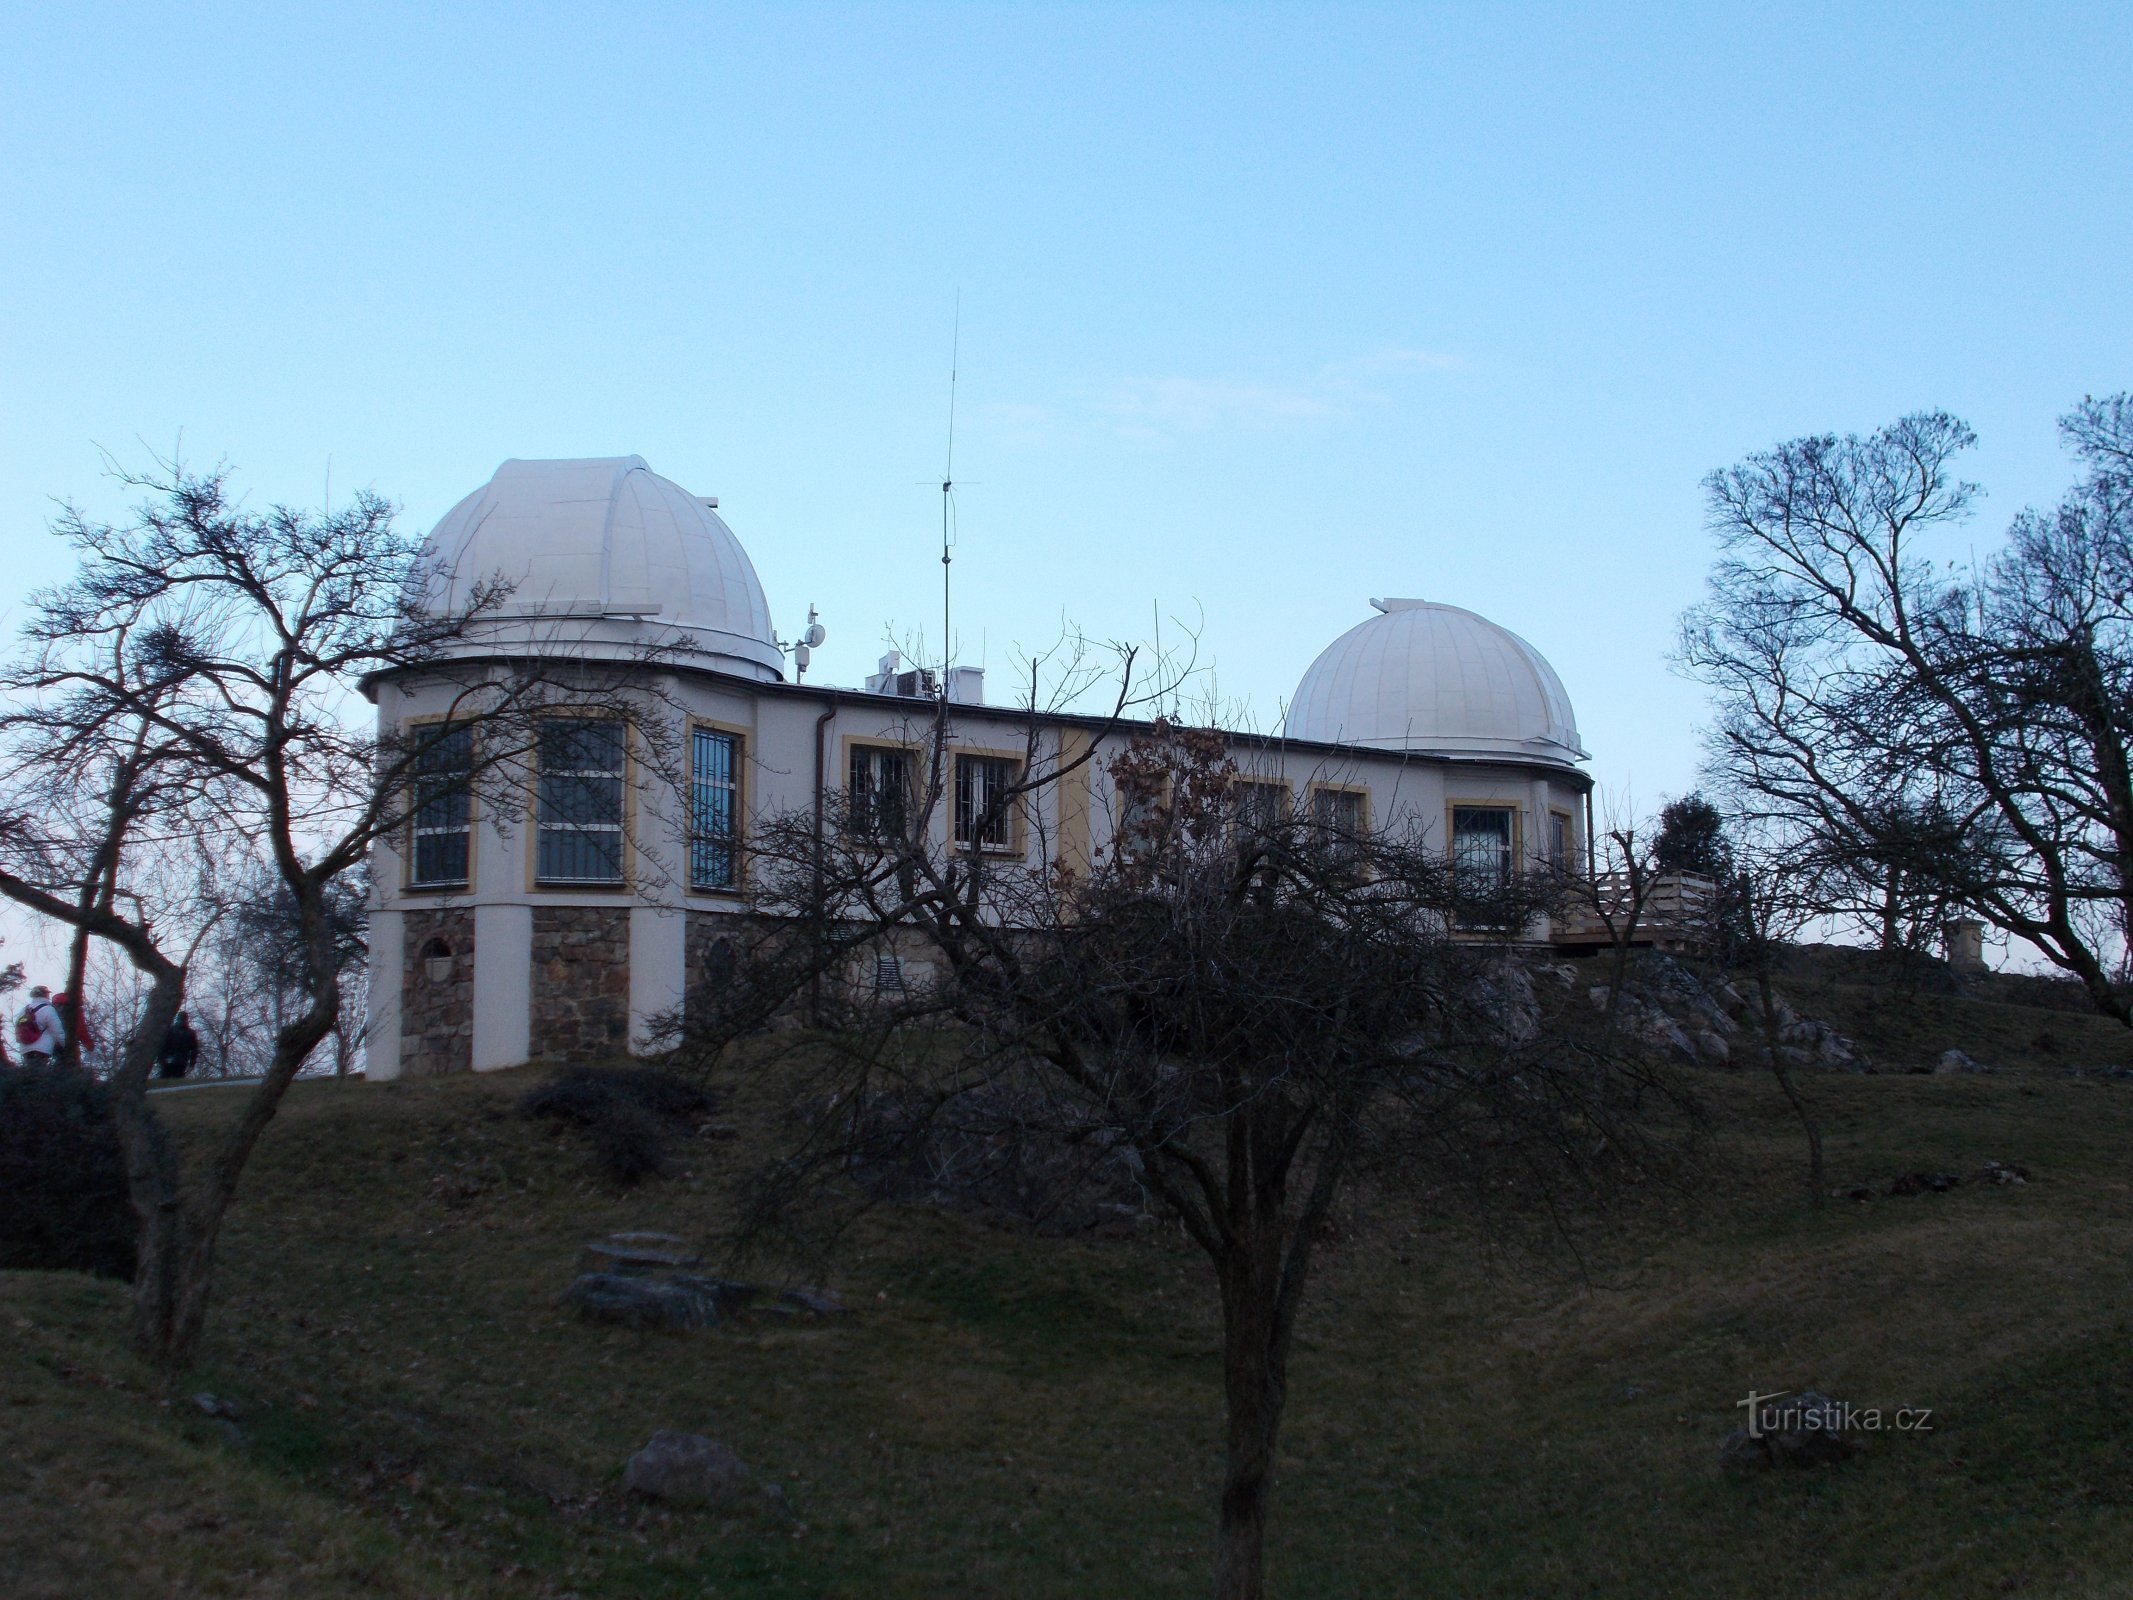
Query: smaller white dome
point(603, 553)
point(1424, 676)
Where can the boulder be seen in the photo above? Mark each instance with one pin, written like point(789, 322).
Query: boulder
point(815, 1302)
point(1742, 1451)
point(687, 1469)
point(1804, 1430)
point(2004, 1173)
point(1924, 1183)
point(1503, 994)
point(1953, 1061)
point(727, 1297)
point(633, 1302)
point(1818, 1044)
point(1811, 1432)
point(638, 1253)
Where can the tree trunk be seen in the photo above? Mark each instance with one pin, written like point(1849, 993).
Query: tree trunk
point(164, 1235)
point(172, 1280)
point(70, 1051)
point(1783, 1074)
point(1254, 1388)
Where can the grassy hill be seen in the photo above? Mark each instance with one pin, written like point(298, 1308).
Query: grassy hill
point(1010, 1416)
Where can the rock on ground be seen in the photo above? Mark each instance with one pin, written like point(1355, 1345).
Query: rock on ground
point(687, 1469)
point(638, 1253)
point(1803, 1430)
point(633, 1302)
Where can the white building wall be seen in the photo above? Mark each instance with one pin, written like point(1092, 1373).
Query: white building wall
point(381, 1041)
point(503, 985)
point(1408, 793)
point(658, 968)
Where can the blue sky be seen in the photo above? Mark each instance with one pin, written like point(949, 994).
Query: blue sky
point(1264, 311)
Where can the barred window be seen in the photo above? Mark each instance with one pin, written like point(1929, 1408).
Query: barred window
point(1558, 839)
point(1337, 814)
point(444, 807)
point(1258, 806)
point(583, 767)
point(714, 809)
point(1481, 847)
point(880, 792)
point(981, 812)
point(1143, 815)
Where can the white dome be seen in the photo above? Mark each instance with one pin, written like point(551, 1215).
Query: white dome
point(1432, 677)
point(604, 553)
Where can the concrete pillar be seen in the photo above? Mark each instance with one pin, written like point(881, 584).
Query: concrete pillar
point(503, 986)
point(658, 968)
point(381, 1037)
point(1966, 944)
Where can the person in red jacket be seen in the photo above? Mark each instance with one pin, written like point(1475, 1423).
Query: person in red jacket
point(77, 1024)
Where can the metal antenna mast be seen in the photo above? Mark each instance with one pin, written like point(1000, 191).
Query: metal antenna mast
point(955, 351)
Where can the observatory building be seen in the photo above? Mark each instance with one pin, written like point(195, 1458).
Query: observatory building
point(561, 929)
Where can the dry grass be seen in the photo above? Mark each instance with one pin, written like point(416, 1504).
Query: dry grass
point(1015, 1417)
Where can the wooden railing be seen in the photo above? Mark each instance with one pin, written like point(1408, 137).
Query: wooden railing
point(1680, 911)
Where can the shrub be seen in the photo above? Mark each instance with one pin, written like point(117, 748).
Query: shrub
point(627, 1110)
point(62, 1175)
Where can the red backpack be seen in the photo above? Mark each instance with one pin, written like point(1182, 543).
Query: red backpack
point(27, 1030)
point(82, 1036)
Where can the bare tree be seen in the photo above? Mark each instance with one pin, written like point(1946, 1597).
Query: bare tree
point(1772, 891)
point(1948, 737)
point(1248, 1011)
point(1617, 894)
point(196, 684)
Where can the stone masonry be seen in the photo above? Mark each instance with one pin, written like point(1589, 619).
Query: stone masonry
point(437, 1013)
point(711, 947)
point(581, 983)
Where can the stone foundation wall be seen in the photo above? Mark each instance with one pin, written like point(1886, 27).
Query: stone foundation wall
point(437, 1015)
point(581, 983)
point(711, 947)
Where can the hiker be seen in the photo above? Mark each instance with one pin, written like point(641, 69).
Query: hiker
point(181, 1048)
point(72, 1015)
point(38, 1030)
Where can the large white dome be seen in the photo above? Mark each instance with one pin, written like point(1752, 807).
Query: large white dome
point(1423, 676)
point(604, 553)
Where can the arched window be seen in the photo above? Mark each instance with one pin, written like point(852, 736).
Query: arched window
point(718, 963)
point(437, 961)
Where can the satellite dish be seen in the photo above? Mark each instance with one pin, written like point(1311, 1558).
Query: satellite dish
point(815, 634)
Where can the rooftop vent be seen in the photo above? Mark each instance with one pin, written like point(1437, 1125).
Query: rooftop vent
point(966, 685)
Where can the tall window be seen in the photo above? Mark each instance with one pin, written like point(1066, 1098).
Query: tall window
point(443, 807)
point(1143, 815)
point(1258, 805)
point(980, 813)
point(714, 809)
point(578, 800)
point(1481, 847)
point(1337, 815)
point(880, 791)
point(1559, 841)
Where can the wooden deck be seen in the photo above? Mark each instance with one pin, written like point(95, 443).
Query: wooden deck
point(1679, 914)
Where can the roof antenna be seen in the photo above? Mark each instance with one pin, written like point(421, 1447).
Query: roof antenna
point(955, 351)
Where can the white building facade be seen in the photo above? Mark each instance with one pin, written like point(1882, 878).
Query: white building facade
point(561, 931)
